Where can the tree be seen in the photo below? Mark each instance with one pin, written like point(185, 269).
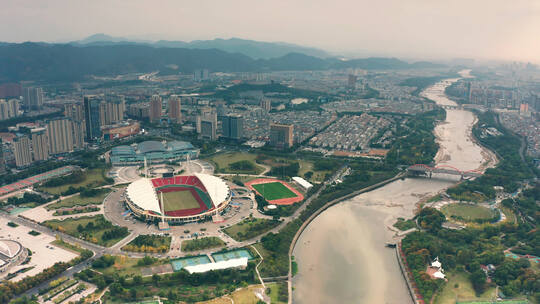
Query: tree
point(431, 219)
point(155, 279)
point(478, 279)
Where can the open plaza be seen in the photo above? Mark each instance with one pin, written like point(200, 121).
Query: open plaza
point(43, 252)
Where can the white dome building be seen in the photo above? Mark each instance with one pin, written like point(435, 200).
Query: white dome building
point(11, 252)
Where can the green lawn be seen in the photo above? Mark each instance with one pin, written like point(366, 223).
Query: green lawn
point(70, 226)
point(179, 200)
point(463, 292)
point(126, 266)
point(202, 243)
point(78, 200)
point(306, 166)
point(93, 178)
point(224, 160)
point(467, 212)
point(275, 289)
point(273, 191)
point(249, 228)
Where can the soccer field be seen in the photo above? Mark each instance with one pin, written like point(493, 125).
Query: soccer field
point(179, 200)
point(274, 191)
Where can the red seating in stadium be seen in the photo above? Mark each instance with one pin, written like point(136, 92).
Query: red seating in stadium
point(178, 180)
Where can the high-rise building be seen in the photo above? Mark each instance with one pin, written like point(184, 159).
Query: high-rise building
point(175, 113)
point(75, 111)
point(155, 108)
point(40, 144)
point(266, 104)
point(281, 136)
point(233, 126)
point(201, 74)
point(208, 129)
point(139, 110)
point(60, 134)
point(4, 110)
point(91, 118)
point(9, 109)
point(13, 105)
point(208, 118)
point(524, 109)
point(111, 112)
point(21, 150)
point(33, 98)
point(78, 134)
point(351, 81)
point(2, 160)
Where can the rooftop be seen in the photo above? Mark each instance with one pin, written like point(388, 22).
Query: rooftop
point(180, 145)
point(150, 146)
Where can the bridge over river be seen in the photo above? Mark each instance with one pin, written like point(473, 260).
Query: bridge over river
point(444, 169)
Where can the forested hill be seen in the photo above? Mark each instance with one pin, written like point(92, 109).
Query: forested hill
point(64, 62)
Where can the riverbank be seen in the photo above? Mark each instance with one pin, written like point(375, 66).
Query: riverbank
point(341, 255)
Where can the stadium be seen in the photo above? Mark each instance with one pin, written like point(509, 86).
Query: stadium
point(186, 198)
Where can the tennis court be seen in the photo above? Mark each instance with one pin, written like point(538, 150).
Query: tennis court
point(233, 254)
point(178, 264)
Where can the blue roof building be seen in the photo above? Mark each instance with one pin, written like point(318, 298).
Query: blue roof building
point(155, 152)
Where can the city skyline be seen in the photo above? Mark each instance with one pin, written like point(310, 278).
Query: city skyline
point(494, 30)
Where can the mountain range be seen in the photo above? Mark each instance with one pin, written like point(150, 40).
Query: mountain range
point(76, 61)
point(251, 48)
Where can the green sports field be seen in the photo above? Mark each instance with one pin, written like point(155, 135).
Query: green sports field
point(179, 200)
point(274, 191)
point(467, 212)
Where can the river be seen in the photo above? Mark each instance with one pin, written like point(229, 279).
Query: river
point(341, 254)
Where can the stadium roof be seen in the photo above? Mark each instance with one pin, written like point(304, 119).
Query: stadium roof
point(150, 146)
point(216, 187)
point(232, 263)
point(142, 193)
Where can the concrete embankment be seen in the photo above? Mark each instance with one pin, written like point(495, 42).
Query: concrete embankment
point(405, 273)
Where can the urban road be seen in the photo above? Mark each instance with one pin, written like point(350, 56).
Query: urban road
point(115, 249)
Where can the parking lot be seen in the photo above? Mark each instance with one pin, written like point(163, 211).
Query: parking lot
point(44, 254)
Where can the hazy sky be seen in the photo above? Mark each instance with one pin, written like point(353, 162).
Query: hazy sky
point(488, 29)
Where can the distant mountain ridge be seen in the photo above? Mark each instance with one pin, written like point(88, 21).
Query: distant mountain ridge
point(251, 48)
point(65, 62)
